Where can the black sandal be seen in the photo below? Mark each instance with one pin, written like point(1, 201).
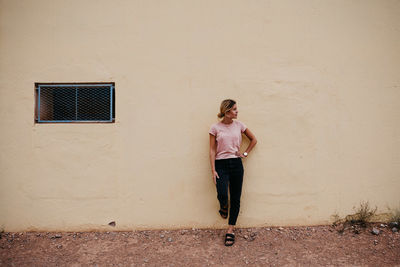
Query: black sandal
point(224, 213)
point(229, 239)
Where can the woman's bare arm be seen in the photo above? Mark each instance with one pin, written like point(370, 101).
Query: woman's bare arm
point(252, 138)
point(213, 149)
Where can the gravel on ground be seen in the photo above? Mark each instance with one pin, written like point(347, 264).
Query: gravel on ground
point(320, 245)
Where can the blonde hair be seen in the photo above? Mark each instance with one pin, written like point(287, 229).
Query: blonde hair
point(226, 105)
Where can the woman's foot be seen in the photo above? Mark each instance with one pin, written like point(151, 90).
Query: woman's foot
point(224, 212)
point(230, 236)
point(229, 239)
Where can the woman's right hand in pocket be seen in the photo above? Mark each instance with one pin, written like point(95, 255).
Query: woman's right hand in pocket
point(215, 176)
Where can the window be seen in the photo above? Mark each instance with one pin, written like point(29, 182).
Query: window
point(75, 102)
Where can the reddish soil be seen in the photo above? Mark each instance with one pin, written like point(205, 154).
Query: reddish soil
point(285, 246)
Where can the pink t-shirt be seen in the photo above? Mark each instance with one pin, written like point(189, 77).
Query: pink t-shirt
point(228, 137)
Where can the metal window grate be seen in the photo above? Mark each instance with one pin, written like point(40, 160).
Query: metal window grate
point(75, 102)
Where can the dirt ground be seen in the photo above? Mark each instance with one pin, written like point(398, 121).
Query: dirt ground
point(274, 246)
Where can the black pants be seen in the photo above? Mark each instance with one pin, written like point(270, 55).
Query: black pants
point(230, 172)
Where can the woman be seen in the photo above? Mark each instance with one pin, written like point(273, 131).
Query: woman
point(226, 162)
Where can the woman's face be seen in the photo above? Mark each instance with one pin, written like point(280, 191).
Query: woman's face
point(232, 113)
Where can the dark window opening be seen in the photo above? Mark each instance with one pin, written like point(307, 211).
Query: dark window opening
point(75, 102)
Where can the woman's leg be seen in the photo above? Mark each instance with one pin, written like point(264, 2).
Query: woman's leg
point(235, 190)
point(222, 186)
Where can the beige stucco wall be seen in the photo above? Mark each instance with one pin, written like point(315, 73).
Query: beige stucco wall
point(318, 82)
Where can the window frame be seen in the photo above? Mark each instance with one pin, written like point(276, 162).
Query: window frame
point(74, 84)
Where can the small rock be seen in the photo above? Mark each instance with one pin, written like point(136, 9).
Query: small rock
point(382, 225)
point(281, 228)
point(268, 229)
point(245, 236)
point(170, 239)
point(146, 260)
point(249, 230)
point(162, 236)
point(112, 223)
point(394, 230)
point(55, 236)
point(252, 237)
point(375, 242)
point(394, 224)
point(38, 234)
point(252, 234)
point(59, 246)
point(375, 231)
